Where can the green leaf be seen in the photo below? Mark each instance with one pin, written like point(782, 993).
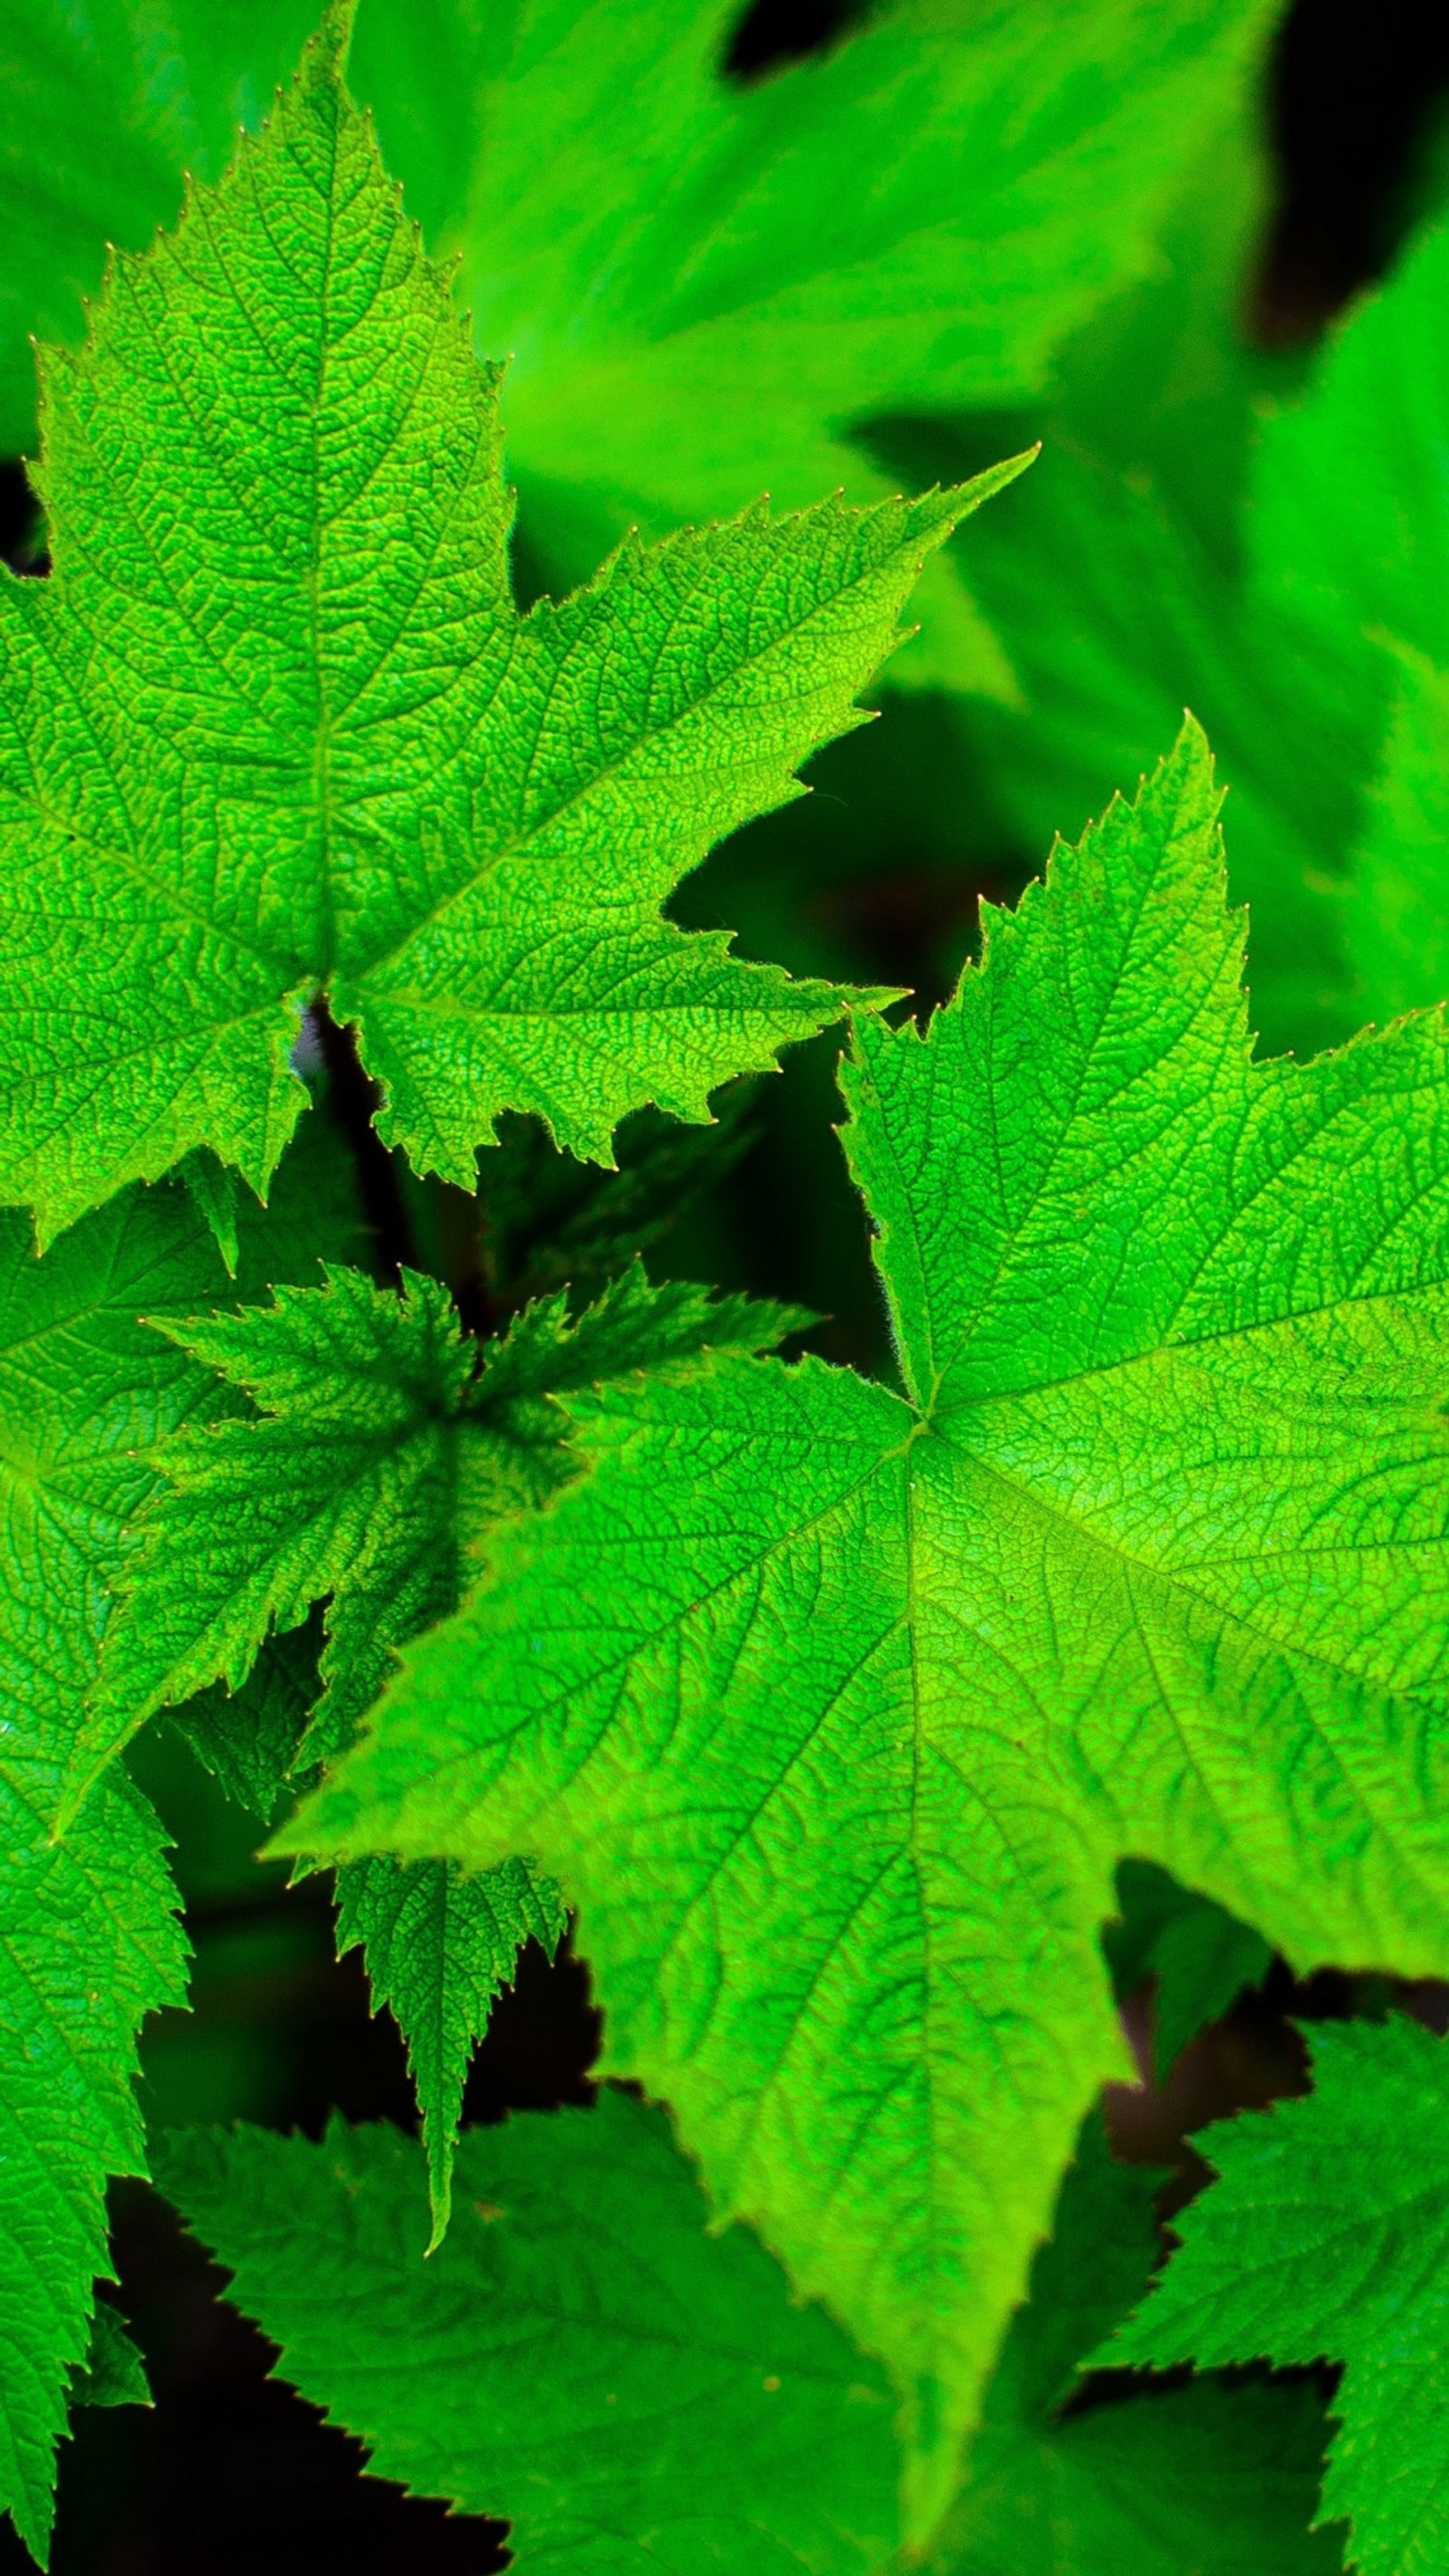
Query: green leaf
point(376, 1444)
point(113, 2373)
point(1347, 527)
point(274, 727)
point(581, 2356)
point(1218, 2481)
point(1116, 617)
point(89, 1943)
point(700, 298)
point(1199, 1957)
point(1324, 2239)
point(371, 1444)
point(587, 2231)
point(88, 1938)
point(835, 1709)
point(1400, 907)
point(337, 1476)
point(249, 1739)
point(715, 324)
point(1310, 642)
point(440, 1944)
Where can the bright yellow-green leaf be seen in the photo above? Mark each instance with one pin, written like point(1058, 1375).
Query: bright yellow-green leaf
point(834, 1708)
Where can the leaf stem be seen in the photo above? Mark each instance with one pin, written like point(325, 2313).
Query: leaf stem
point(353, 1098)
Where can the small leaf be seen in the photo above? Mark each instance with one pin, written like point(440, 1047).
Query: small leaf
point(113, 2372)
point(440, 1944)
point(1325, 2239)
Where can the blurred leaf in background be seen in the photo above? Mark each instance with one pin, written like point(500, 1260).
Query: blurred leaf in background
point(702, 283)
point(1264, 538)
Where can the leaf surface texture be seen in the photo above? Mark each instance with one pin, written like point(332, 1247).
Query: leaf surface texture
point(1324, 2239)
point(834, 1708)
point(273, 726)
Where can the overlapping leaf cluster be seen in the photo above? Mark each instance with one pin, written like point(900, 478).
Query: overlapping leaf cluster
point(862, 1725)
point(696, 309)
point(835, 1707)
point(250, 748)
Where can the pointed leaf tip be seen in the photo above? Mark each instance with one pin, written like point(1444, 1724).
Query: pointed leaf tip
point(327, 51)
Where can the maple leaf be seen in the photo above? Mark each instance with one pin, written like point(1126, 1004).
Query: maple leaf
point(676, 2408)
point(375, 1447)
point(701, 299)
point(1324, 2239)
point(273, 726)
point(833, 1708)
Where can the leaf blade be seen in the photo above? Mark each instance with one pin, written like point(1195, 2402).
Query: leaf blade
point(835, 1712)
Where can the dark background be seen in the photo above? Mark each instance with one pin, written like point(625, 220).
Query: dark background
point(232, 2472)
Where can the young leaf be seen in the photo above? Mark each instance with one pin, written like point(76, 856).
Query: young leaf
point(113, 2373)
point(834, 1710)
point(580, 2356)
point(1219, 2481)
point(440, 1944)
point(1325, 2239)
point(273, 727)
point(1199, 1957)
point(336, 1476)
point(700, 296)
point(377, 1444)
